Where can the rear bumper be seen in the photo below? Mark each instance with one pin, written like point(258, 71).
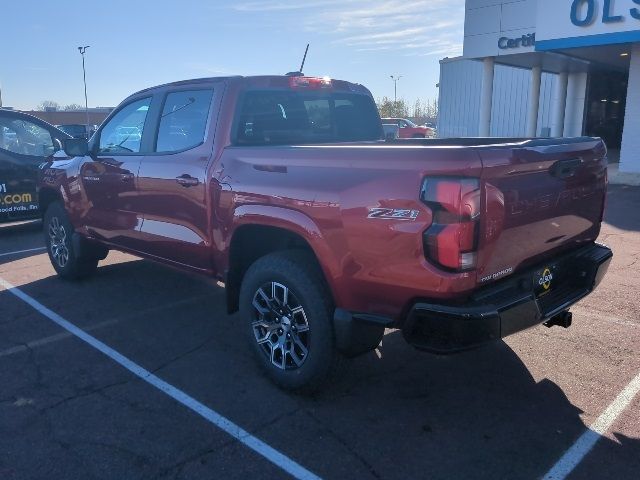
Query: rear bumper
point(506, 307)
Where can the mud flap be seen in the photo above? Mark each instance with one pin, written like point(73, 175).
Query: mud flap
point(357, 334)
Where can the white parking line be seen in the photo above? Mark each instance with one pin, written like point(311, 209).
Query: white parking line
point(18, 252)
point(235, 431)
point(588, 439)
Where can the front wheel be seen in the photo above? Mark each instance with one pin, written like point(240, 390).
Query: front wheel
point(287, 307)
point(58, 233)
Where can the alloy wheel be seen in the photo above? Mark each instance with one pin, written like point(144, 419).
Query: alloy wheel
point(58, 242)
point(280, 326)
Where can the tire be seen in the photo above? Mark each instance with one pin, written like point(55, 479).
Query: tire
point(281, 326)
point(68, 263)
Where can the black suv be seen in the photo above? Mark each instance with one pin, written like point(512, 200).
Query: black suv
point(25, 143)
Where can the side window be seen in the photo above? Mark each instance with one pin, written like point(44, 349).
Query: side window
point(183, 120)
point(123, 133)
point(9, 139)
point(25, 138)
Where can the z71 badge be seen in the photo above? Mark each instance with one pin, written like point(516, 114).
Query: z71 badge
point(393, 214)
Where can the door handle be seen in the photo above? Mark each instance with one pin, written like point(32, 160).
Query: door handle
point(187, 180)
point(127, 177)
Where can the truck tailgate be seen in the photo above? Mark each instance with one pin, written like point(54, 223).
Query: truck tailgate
point(541, 198)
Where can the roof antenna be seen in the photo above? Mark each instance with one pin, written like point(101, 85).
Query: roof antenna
point(299, 72)
point(304, 58)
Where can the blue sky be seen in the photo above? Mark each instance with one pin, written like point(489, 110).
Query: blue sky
point(137, 44)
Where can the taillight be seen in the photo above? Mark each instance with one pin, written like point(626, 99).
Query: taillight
point(312, 83)
point(452, 239)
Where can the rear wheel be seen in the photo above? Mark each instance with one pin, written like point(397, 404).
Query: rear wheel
point(66, 260)
point(286, 305)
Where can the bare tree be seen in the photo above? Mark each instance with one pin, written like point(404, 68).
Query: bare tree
point(46, 104)
point(418, 110)
point(431, 110)
point(73, 106)
point(390, 108)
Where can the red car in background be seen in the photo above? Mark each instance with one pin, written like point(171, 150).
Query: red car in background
point(408, 129)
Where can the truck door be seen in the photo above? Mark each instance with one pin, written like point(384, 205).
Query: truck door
point(24, 145)
point(172, 183)
point(109, 178)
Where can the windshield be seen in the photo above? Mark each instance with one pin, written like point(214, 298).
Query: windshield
point(281, 117)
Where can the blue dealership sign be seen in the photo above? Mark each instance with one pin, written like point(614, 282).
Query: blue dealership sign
point(590, 13)
point(586, 23)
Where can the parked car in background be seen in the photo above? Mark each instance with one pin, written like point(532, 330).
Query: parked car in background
point(77, 130)
point(433, 127)
point(408, 129)
point(25, 144)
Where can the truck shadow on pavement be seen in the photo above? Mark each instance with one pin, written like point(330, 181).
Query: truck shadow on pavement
point(478, 414)
point(393, 413)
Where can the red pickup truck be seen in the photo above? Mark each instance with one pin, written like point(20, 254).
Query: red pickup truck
point(323, 234)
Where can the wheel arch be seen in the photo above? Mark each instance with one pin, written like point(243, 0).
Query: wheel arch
point(46, 197)
point(266, 230)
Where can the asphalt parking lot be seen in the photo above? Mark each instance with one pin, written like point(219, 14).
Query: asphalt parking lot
point(510, 410)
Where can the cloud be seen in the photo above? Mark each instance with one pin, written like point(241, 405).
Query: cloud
point(412, 27)
point(393, 36)
point(394, 25)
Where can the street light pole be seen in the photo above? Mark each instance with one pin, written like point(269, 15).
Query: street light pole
point(395, 87)
point(84, 77)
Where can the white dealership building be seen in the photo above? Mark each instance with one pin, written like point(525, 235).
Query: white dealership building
point(547, 68)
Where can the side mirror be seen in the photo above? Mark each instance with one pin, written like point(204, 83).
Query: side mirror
point(75, 147)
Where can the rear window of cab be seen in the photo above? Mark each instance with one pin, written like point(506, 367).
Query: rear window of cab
point(288, 117)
